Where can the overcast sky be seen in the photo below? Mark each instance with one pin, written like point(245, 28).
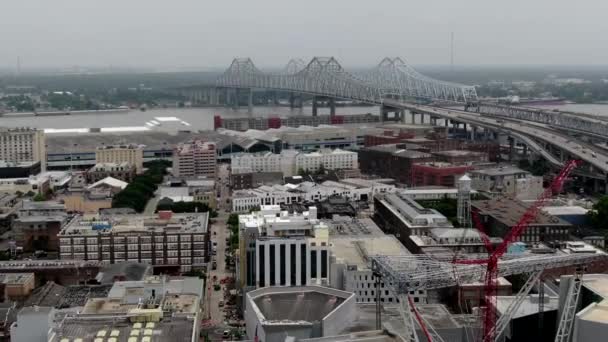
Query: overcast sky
point(209, 33)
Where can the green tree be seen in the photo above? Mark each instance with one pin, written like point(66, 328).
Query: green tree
point(39, 198)
point(233, 219)
point(599, 214)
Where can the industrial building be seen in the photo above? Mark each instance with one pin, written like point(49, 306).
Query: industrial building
point(167, 241)
point(401, 216)
point(278, 248)
point(467, 240)
point(501, 214)
point(274, 313)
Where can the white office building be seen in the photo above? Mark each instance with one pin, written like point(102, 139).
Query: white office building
point(282, 249)
point(289, 162)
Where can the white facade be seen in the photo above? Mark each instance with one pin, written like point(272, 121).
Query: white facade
point(289, 162)
point(23, 145)
point(353, 189)
point(283, 249)
point(116, 154)
point(264, 162)
point(330, 159)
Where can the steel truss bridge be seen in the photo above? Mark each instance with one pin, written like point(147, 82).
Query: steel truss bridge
point(324, 76)
point(395, 86)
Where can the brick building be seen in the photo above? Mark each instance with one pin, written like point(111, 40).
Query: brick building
point(390, 161)
point(461, 156)
point(437, 173)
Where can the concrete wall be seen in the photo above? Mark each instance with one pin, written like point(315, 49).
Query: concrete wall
point(32, 325)
point(341, 317)
point(587, 330)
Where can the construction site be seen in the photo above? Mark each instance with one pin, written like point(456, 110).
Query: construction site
point(556, 295)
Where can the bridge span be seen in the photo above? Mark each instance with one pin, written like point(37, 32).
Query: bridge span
point(539, 137)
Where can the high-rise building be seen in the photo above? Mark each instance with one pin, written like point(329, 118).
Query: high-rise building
point(195, 158)
point(117, 154)
point(279, 248)
point(23, 145)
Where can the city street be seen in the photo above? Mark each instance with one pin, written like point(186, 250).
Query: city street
point(212, 309)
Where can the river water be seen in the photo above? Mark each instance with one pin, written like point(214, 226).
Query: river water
point(202, 118)
point(198, 118)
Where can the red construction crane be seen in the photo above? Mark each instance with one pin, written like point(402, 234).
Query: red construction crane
point(529, 216)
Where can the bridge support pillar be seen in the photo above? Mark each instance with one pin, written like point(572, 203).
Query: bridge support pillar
point(473, 132)
point(332, 107)
point(525, 151)
point(511, 147)
point(250, 103)
point(295, 101)
point(315, 106)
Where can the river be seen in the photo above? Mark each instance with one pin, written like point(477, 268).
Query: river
point(198, 118)
point(202, 118)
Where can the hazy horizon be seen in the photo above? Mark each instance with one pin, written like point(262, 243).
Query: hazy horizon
point(197, 35)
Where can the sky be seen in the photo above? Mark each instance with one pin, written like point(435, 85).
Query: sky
point(210, 33)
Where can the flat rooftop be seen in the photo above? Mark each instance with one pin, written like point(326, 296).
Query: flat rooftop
point(87, 329)
point(509, 211)
point(359, 250)
point(458, 153)
point(16, 278)
point(191, 223)
point(500, 171)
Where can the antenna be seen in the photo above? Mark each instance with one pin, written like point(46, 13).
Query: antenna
point(452, 51)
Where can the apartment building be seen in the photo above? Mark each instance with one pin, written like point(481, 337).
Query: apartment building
point(116, 154)
point(23, 145)
point(279, 248)
point(164, 241)
point(289, 162)
point(195, 158)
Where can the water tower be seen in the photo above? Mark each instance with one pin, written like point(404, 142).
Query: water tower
point(464, 201)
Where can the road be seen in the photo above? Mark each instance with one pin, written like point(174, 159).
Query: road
point(593, 156)
point(223, 185)
point(151, 205)
point(212, 310)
